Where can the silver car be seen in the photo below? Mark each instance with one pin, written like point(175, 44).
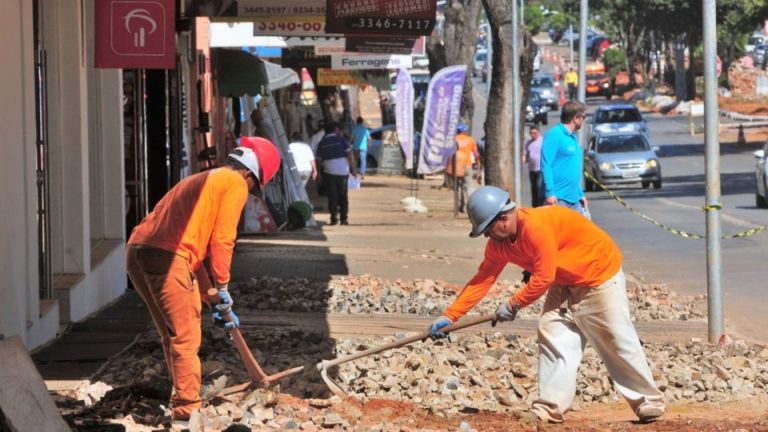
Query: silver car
point(544, 85)
point(622, 158)
point(761, 177)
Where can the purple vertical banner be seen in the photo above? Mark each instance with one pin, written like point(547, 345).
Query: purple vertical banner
point(441, 117)
point(404, 114)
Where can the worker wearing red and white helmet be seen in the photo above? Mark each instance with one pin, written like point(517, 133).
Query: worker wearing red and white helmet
point(268, 155)
point(197, 217)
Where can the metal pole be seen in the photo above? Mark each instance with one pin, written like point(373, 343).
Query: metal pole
point(516, 104)
point(570, 44)
point(522, 12)
point(582, 94)
point(712, 175)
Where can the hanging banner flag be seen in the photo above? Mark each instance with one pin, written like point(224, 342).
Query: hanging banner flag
point(441, 116)
point(404, 114)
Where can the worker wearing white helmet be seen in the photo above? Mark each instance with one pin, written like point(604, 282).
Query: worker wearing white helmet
point(578, 266)
point(164, 257)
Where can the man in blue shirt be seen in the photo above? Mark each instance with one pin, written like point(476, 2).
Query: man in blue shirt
point(337, 160)
point(562, 160)
point(360, 136)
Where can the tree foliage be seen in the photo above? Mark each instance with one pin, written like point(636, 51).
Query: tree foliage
point(614, 61)
point(534, 19)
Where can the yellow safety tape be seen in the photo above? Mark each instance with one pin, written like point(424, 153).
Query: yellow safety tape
point(681, 233)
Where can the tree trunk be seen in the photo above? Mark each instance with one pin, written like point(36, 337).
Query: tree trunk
point(690, 83)
point(461, 19)
point(498, 125)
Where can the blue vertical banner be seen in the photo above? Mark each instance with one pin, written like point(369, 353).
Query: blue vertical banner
point(404, 114)
point(441, 117)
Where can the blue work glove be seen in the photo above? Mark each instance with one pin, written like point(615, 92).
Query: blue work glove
point(223, 308)
point(505, 312)
point(218, 320)
point(434, 329)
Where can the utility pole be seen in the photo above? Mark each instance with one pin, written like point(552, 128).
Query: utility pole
point(516, 132)
point(582, 95)
point(712, 204)
point(570, 43)
point(522, 12)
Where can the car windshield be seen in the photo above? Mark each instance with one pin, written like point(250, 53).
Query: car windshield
point(541, 82)
point(481, 56)
point(622, 144)
point(534, 97)
point(595, 76)
point(618, 116)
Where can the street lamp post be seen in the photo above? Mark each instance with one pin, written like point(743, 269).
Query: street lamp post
point(516, 132)
point(712, 175)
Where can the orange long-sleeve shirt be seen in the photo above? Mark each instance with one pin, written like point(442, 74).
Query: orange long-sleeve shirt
point(197, 216)
point(554, 243)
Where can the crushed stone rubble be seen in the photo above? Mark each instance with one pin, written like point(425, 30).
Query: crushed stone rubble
point(466, 373)
point(428, 297)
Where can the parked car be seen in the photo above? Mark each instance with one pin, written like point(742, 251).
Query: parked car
point(621, 117)
point(566, 37)
point(373, 155)
point(544, 85)
point(481, 57)
point(761, 177)
point(759, 55)
point(598, 85)
point(622, 158)
point(753, 42)
point(537, 110)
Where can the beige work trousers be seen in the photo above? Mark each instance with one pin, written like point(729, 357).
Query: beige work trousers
point(573, 316)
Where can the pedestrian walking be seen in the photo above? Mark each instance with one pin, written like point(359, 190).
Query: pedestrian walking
point(335, 155)
point(164, 257)
point(360, 137)
point(467, 164)
point(314, 140)
point(562, 160)
point(578, 266)
point(532, 157)
point(304, 158)
point(572, 82)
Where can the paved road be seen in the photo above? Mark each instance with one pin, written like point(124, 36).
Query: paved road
point(659, 256)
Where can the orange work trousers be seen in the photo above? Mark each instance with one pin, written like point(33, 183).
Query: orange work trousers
point(169, 288)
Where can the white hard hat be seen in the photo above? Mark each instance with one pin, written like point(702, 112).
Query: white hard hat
point(248, 158)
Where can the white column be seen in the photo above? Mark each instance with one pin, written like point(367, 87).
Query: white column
point(68, 135)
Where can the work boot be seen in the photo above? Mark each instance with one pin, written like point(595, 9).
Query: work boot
point(649, 412)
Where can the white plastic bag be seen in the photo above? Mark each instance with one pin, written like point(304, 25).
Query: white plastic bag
point(354, 182)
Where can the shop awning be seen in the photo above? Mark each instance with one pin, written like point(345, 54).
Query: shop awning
point(241, 73)
point(280, 77)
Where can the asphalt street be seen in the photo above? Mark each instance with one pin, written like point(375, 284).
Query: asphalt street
point(659, 256)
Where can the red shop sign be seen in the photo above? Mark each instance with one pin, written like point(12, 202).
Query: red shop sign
point(135, 34)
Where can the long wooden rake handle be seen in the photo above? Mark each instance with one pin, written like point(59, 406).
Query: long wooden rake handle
point(469, 322)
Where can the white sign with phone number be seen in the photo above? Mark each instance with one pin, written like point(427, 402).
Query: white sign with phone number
point(252, 8)
point(289, 26)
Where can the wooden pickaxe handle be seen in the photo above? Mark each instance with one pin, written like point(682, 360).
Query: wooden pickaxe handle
point(251, 365)
point(469, 322)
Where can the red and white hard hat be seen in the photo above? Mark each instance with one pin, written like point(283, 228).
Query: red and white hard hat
point(248, 158)
point(267, 154)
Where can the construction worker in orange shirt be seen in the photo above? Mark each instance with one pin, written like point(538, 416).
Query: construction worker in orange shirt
point(165, 252)
point(467, 162)
point(578, 266)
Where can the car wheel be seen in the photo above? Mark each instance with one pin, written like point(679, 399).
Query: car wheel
point(608, 96)
point(546, 120)
point(588, 185)
point(760, 201)
point(370, 161)
point(646, 184)
point(657, 184)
